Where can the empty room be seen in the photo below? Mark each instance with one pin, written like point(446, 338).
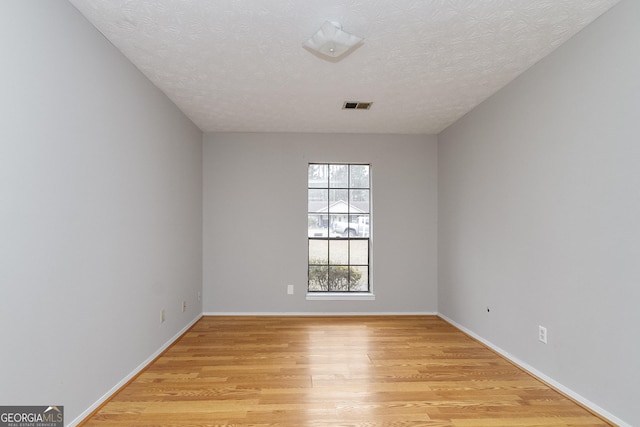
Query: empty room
point(319, 213)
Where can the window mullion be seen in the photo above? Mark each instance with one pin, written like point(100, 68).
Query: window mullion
point(348, 233)
point(328, 231)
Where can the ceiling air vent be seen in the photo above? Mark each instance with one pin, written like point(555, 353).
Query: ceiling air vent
point(353, 105)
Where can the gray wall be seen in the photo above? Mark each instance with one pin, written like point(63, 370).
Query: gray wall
point(539, 213)
point(255, 204)
point(100, 211)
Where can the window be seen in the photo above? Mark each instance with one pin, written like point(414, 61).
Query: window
point(339, 225)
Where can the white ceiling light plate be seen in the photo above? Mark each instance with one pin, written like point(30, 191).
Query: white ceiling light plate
point(331, 41)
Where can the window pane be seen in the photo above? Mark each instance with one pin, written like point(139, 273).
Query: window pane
point(317, 225)
point(359, 279)
point(338, 225)
point(338, 201)
point(359, 200)
point(338, 278)
point(338, 252)
point(359, 252)
point(318, 278)
point(318, 251)
point(359, 176)
point(318, 200)
point(339, 176)
point(318, 176)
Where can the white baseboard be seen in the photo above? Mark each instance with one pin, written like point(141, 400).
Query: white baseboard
point(533, 371)
point(319, 313)
point(135, 372)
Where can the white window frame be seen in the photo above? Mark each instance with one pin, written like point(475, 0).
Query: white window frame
point(349, 295)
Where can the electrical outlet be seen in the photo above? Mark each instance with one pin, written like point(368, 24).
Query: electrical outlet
point(290, 289)
point(162, 316)
point(542, 334)
point(184, 306)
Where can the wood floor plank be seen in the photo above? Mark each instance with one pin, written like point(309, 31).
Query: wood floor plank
point(370, 371)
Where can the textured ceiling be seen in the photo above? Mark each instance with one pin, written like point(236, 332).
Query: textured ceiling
point(239, 65)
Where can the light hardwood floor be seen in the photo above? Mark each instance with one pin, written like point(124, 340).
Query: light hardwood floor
point(335, 371)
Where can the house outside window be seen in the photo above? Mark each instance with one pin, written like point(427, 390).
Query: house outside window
point(339, 228)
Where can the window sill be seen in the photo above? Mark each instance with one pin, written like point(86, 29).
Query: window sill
point(340, 296)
